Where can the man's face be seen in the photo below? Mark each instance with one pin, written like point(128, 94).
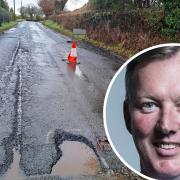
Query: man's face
point(154, 118)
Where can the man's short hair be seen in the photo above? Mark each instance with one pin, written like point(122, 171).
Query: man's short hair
point(160, 53)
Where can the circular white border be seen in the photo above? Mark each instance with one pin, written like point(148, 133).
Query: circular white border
point(106, 98)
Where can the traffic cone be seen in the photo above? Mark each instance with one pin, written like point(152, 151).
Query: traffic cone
point(72, 57)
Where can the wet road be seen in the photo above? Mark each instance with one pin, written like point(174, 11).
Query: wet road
point(51, 111)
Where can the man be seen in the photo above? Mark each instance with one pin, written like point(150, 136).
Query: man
point(152, 110)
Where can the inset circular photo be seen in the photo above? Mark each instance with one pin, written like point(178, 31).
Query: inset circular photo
point(142, 112)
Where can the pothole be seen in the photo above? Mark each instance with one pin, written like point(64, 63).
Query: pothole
point(77, 159)
point(14, 172)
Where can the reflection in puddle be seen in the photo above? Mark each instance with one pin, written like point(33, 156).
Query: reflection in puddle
point(77, 159)
point(79, 73)
point(72, 66)
point(14, 171)
point(75, 68)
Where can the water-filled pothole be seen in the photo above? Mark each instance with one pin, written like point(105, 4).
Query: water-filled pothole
point(14, 172)
point(77, 159)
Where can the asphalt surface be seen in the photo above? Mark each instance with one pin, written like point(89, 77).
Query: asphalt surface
point(46, 103)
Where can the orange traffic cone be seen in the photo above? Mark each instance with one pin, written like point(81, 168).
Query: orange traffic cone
point(72, 57)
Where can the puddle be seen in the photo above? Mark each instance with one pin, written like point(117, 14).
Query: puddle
point(75, 68)
point(72, 67)
point(14, 172)
point(11, 30)
point(42, 63)
point(79, 73)
point(77, 159)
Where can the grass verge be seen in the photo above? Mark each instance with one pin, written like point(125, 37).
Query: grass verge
point(115, 48)
point(57, 27)
point(6, 26)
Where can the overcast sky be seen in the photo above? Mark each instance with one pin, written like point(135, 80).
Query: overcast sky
point(75, 4)
point(71, 4)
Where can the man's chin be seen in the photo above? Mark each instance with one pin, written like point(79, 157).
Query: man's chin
point(163, 176)
point(163, 171)
point(166, 174)
point(167, 177)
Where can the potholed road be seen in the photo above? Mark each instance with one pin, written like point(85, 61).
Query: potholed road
point(51, 111)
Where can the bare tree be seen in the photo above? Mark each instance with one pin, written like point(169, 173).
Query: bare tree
point(59, 5)
point(30, 11)
point(47, 7)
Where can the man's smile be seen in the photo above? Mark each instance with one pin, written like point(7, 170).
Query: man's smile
point(167, 145)
point(167, 149)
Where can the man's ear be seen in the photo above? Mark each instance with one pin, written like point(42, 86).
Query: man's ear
point(127, 117)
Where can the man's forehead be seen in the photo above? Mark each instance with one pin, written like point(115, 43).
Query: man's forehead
point(158, 80)
point(166, 61)
point(145, 60)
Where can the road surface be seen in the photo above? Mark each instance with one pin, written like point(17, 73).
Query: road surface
point(51, 122)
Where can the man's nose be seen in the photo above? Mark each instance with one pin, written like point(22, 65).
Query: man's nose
point(169, 121)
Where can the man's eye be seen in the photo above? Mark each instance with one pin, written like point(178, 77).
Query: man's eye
point(148, 106)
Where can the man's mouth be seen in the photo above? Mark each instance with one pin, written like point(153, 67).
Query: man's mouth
point(167, 146)
point(167, 149)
